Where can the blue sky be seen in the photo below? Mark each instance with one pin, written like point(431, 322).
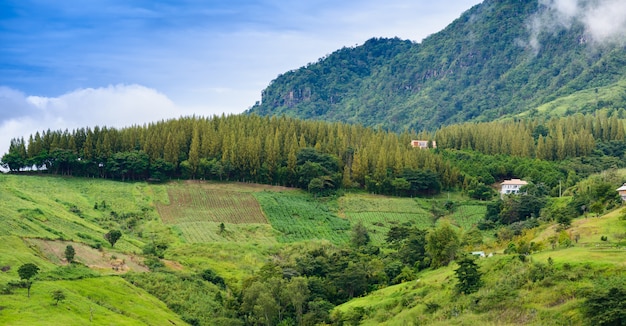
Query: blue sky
point(70, 64)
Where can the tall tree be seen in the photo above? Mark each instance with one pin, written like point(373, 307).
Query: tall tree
point(468, 276)
point(27, 272)
point(442, 245)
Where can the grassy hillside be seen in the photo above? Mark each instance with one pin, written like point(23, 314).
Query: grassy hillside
point(176, 263)
point(380, 213)
point(97, 301)
point(546, 288)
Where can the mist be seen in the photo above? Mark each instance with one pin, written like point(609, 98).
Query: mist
point(604, 21)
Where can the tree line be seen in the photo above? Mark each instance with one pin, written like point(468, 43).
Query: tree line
point(322, 157)
point(555, 139)
point(313, 155)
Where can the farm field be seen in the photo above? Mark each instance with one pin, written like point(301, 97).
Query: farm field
point(203, 202)
point(196, 209)
point(467, 216)
point(379, 213)
point(298, 216)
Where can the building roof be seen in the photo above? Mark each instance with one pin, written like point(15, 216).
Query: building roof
point(514, 182)
point(622, 188)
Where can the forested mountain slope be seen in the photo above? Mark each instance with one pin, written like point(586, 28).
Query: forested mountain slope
point(489, 63)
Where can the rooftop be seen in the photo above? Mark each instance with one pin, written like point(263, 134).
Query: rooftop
point(514, 182)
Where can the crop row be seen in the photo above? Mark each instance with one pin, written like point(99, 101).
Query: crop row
point(196, 204)
point(205, 232)
point(467, 216)
point(299, 217)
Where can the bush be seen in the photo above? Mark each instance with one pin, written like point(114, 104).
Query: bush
point(210, 276)
point(606, 306)
point(154, 263)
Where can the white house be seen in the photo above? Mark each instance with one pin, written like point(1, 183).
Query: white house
point(622, 192)
point(511, 186)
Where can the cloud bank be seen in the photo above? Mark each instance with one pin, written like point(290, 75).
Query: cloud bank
point(604, 21)
point(113, 106)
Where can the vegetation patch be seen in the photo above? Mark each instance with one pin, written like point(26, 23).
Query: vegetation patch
point(107, 262)
point(203, 202)
point(298, 216)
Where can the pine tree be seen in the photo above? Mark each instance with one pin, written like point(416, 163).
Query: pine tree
point(468, 276)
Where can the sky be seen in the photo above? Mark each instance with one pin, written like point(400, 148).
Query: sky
point(67, 64)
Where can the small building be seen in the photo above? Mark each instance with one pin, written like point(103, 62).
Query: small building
point(421, 144)
point(622, 192)
point(511, 186)
point(479, 254)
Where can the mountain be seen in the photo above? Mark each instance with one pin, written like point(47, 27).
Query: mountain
point(500, 58)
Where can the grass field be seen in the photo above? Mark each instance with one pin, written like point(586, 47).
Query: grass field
point(63, 208)
point(380, 213)
point(91, 301)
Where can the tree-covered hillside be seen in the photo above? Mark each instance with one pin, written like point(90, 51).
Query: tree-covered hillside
point(324, 157)
point(480, 68)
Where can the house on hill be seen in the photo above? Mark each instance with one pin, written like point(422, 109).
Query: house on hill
point(511, 186)
point(421, 144)
point(622, 192)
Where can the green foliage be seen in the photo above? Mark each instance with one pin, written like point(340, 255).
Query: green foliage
point(283, 151)
point(69, 253)
point(112, 236)
point(442, 245)
point(189, 296)
point(360, 236)
point(210, 276)
point(58, 295)
point(468, 275)
point(27, 272)
point(605, 304)
point(460, 73)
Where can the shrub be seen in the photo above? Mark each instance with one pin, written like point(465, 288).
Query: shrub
point(606, 306)
point(210, 276)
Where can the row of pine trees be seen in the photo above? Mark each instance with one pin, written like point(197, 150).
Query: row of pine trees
point(275, 150)
point(553, 140)
point(236, 147)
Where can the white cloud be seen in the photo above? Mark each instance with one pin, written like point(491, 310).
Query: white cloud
point(114, 106)
point(604, 21)
point(119, 105)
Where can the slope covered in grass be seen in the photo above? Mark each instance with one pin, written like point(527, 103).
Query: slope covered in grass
point(546, 288)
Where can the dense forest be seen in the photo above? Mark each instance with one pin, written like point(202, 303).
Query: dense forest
point(480, 68)
point(323, 157)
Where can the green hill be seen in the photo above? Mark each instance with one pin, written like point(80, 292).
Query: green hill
point(223, 253)
point(479, 68)
point(545, 288)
